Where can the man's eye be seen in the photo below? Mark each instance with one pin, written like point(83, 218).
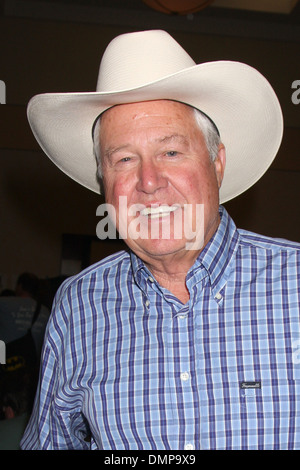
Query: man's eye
point(125, 159)
point(172, 153)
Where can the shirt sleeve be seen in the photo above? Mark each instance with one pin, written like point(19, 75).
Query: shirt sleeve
point(57, 422)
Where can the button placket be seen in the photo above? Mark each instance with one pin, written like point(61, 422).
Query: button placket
point(183, 369)
point(184, 376)
point(189, 446)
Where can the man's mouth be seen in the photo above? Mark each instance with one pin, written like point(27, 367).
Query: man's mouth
point(153, 212)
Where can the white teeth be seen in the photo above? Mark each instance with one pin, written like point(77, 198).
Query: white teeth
point(160, 211)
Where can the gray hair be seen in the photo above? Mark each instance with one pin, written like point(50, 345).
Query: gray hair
point(207, 127)
point(210, 133)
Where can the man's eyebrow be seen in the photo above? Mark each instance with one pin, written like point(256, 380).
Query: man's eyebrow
point(108, 153)
point(174, 137)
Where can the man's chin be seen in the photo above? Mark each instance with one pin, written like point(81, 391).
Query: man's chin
point(157, 248)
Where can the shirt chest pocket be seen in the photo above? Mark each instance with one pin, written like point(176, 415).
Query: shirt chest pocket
point(273, 398)
point(250, 396)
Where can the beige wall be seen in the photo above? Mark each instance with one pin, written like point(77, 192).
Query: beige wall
point(38, 203)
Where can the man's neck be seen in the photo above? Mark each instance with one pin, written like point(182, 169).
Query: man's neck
point(170, 272)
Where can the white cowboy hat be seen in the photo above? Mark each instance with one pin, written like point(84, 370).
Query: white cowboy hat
point(151, 65)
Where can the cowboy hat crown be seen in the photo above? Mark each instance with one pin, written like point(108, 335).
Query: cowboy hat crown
point(124, 71)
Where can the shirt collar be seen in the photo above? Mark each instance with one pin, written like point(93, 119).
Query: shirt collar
point(140, 271)
point(217, 255)
point(214, 260)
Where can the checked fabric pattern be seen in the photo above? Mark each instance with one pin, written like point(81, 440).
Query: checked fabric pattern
point(128, 366)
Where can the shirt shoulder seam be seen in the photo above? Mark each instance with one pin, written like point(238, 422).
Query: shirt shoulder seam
point(267, 243)
point(107, 262)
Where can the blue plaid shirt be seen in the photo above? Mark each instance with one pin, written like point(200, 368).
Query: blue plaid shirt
point(126, 363)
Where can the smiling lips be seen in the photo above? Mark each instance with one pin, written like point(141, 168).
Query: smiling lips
point(153, 212)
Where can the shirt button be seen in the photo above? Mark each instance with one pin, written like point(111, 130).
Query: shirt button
point(188, 447)
point(218, 296)
point(150, 279)
point(182, 317)
point(147, 303)
point(184, 376)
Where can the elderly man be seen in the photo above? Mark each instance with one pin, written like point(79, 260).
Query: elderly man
point(189, 340)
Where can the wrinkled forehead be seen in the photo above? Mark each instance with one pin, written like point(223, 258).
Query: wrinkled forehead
point(147, 108)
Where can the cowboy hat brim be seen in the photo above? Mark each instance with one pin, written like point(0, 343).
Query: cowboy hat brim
point(239, 100)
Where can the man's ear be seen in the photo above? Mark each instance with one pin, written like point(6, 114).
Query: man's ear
point(220, 163)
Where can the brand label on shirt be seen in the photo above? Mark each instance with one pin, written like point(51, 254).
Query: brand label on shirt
point(250, 385)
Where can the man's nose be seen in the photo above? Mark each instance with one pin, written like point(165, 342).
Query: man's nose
point(150, 178)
